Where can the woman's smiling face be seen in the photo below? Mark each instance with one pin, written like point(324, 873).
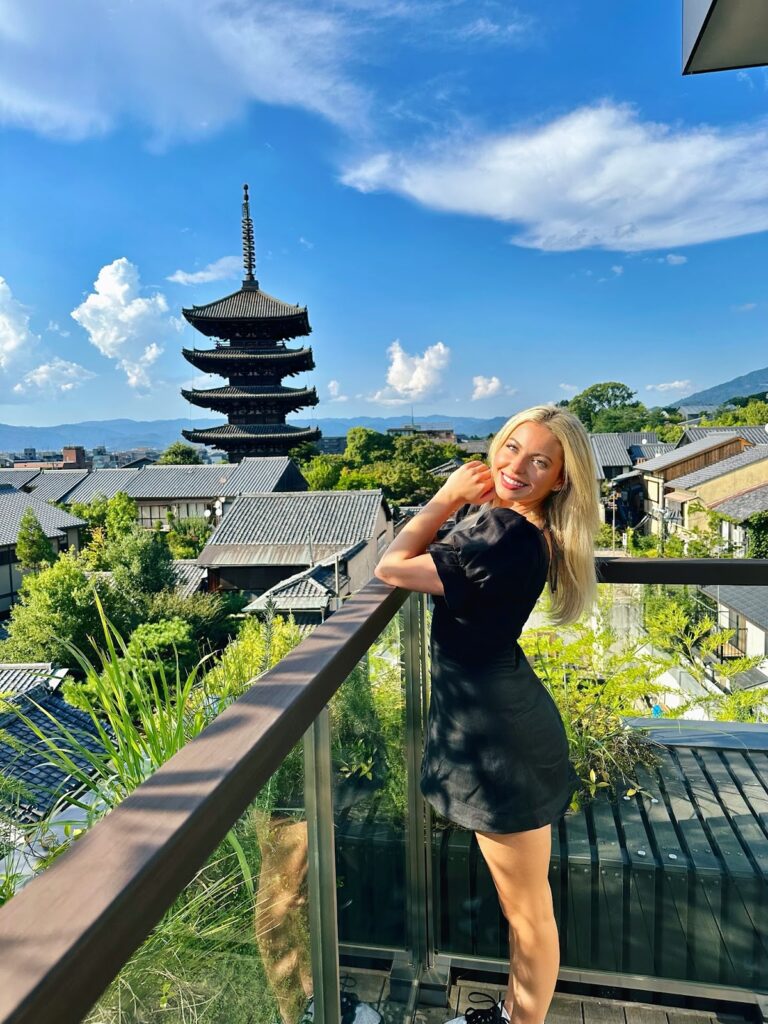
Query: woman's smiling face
point(528, 466)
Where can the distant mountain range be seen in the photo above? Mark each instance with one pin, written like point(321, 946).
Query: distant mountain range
point(124, 434)
point(739, 387)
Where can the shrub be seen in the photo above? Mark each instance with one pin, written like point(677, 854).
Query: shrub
point(57, 610)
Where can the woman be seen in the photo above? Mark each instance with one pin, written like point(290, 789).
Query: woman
point(496, 756)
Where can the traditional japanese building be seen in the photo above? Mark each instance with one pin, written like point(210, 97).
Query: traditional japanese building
point(251, 329)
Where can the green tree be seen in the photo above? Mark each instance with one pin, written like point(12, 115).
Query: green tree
point(186, 537)
point(304, 453)
point(180, 454)
point(57, 608)
point(33, 549)
point(121, 516)
point(753, 414)
point(141, 563)
point(757, 535)
point(608, 395)
point(93, 512)
point(623, 418)
point(365, 446)
point(423, 452)
point(323, 472)
point(164, 642)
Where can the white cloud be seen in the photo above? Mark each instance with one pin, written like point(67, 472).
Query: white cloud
point(569, 389)
point(485, 387)
point(15, 336)
point(674, 259)
point(219, 270)
point(78, 70)
point(334, 392)
point(306, 243)
point(56, 376)
point(489, 30)
point(124, 326)
point(672, 385)
point(617, 270)
point(745, 307)
point(54, 328)
point(410, 378)
point(599, 177)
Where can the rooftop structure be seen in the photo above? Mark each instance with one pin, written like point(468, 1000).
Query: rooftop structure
point(700, 476)
point(251, 328)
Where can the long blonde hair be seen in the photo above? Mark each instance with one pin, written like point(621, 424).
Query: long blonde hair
point(573, 513)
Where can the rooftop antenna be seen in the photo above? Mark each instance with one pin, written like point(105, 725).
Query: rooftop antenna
point(248, 246)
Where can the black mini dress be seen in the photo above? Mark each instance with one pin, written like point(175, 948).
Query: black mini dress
point(496, 756)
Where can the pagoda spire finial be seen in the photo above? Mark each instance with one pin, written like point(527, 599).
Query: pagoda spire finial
point(248, 246)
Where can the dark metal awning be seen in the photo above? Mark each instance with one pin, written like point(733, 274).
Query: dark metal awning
point(722, 35)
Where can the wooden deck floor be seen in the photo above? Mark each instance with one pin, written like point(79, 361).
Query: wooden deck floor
point(373, 988)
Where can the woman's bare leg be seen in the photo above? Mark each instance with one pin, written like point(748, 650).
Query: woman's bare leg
point(519, 866)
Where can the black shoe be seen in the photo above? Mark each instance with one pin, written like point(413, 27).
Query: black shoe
point(489, 1014)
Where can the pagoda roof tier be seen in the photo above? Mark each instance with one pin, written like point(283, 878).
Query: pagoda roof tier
point(226, 360)
point(253, 436)
point(249, 313)
point(234, 395)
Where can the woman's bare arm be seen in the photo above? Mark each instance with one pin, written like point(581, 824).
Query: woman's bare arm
point(404, 563)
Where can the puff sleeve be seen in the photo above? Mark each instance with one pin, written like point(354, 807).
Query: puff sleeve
point(499, 554)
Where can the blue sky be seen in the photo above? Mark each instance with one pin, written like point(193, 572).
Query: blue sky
point(483, 205)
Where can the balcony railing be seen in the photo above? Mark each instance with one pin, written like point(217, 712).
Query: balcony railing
point(666, 895)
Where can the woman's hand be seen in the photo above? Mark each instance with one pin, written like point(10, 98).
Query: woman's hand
point(470, 484)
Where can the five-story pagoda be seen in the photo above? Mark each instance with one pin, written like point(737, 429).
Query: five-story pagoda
point(251, 329)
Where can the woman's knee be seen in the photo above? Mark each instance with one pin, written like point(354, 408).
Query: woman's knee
point(530, 910)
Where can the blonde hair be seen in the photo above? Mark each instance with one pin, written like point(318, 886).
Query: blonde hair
point(573, 513)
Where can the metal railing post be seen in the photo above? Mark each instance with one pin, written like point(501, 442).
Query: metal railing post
point(413, 644)
point(321, 870)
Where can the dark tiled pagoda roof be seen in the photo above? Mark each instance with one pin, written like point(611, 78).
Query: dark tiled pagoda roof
point(250, 303)
point(226, 397)
point(229, 435)
point(226, 359)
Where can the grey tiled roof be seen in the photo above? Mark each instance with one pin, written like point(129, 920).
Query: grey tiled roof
point(292, 529)
point(650, 451)
point(742, 506)
point(21, 678)
point(14, 505)
point(446, 468)
point(189, 576)
point(101, 481)
point(632, 437)
point(700, 476)
point(308, 590)
point(55, 484)
point(18, 477)
point(26, 758)
point(246, 304)
point(225, 480)
point(684, 452)
point(757, 435)
point(609, 450)
point(751, 602)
